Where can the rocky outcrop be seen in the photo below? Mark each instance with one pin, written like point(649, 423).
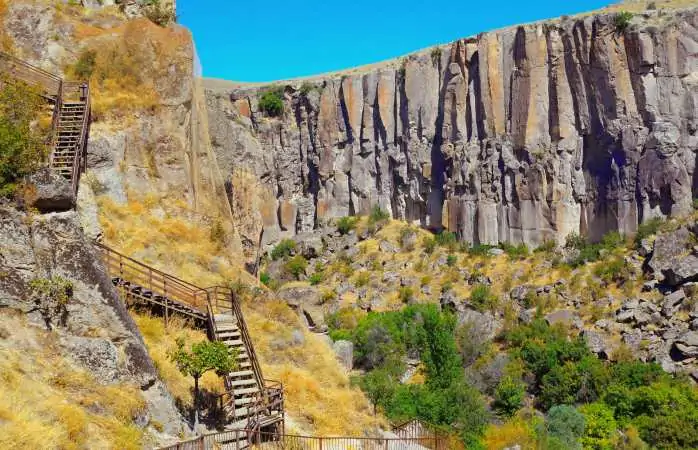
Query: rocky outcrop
point(522, 135)
point(96, 331)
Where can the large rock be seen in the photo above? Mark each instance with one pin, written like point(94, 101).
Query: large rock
point(53, 192)
point(673, 262)
point(307, 301)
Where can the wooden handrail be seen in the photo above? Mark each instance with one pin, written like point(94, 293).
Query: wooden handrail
point(33, 76)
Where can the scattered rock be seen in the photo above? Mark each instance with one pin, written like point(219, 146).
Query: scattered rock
point(670, 261)
point(672, 302)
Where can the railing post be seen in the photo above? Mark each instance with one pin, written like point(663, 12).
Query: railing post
point(165, 298)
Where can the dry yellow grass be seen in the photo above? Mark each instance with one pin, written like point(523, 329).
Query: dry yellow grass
point(49, 404)
point(319, 398)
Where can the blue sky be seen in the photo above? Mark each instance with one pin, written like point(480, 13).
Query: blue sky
point(264, 40)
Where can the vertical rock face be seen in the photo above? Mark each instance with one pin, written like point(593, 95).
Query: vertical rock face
point(522, 135)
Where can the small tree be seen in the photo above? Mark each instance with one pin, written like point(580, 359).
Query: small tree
point(51, 297)
point(272, 102)
point(203, 357)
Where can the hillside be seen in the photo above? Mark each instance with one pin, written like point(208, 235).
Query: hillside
point(520, 331)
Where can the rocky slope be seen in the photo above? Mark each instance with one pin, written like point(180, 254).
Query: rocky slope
point(524, 134)
point(92, 331)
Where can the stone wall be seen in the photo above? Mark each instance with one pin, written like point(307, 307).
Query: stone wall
point(522, 135)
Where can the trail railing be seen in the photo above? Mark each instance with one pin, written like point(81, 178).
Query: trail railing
point(49, 84)
point(277, 441)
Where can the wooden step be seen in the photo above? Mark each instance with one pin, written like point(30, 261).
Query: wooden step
point(245, 382)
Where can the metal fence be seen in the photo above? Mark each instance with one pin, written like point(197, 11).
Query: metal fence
point(244, 440)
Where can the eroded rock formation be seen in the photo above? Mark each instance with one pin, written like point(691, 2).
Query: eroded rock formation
point(522, 135)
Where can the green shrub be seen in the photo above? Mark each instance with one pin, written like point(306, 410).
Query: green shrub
point(406, 294)
point(515, 251)
point(447, 239)
point(307, 88)
point(271, 102)
point(378, 215)
point(316, 278)
point(613, 271)
point(622, 20)
point(85, 65)
point(546, 247)
point(429, 244)
point(296, 266)
point(508, 396)
point(22, 147)
point(283, 249)
point(648, 228)
point(265, 278)
point(362, 279)
point(566, 424)
point(451, 260)
point(346, 224)
point(482, 298)
point(480, 250)
point(599, 426)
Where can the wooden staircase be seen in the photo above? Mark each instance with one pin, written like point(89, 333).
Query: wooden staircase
point(250, 401)
point(71, 114)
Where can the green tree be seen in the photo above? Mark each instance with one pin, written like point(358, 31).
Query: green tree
point(600, 426)
point(565, 424)
point(203, 357)
point(51, 297)
point(283, 249)
point(22, 143)
point(379, 386)
point(272, 103)
point(508, 396)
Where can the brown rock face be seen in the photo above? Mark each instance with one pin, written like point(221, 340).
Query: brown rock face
point(520, 135)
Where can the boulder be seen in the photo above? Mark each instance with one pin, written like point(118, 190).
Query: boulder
point(564, 316)
point(53, 192)
point(672, 302)
point(671, 263)
point(98, 356)
point(687, 344)
point(307, 301)
point(597, 343)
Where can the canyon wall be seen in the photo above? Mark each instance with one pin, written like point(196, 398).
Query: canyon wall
point(524, 134)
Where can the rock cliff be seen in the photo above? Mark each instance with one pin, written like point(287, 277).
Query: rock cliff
point(524, 134)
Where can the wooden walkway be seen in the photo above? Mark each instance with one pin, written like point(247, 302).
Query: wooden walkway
point(71, 115)
point(250, 401)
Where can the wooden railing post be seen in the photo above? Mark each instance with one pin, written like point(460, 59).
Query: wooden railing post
point(164, 288)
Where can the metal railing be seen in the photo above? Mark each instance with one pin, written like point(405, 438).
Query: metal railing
point(246, 439)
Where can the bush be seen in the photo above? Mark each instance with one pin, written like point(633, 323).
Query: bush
point(85, 65)
point(599, 426)
point(515, 251)
point(22, 147)
point(451, 260)
point(646, 229)
point(447, 239)
point(622, 20)
point(283, 249)
point(429, 245)
point(316, 278)
point(271, 102)
point(613, 271)
point(482, 298)
point(406, 294)
point(546, 247)
point(346, 224)
point(508, 396)
point(362, 279)
point(296, 266)
point(566, 424)
point(377, 215)
point(480, 250)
